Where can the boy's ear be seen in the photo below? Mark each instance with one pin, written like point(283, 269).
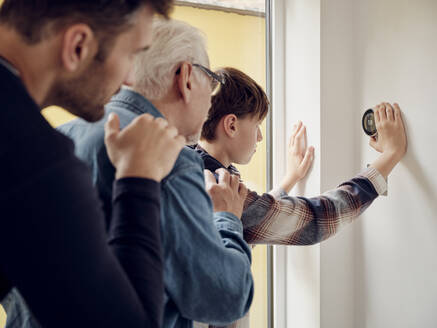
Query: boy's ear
point(230, 125)
point(184, 77)
point(79, 47)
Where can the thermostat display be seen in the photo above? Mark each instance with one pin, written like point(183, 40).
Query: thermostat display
point(369, 125)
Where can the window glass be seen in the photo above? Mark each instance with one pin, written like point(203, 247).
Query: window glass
point(236, 37)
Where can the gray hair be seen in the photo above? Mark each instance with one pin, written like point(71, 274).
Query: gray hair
point(173, 42)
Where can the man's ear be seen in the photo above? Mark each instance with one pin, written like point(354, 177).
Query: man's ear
point(230, 125)
point(79, 45)
point(184, 81)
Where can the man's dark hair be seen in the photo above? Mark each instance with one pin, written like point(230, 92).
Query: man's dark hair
point(107, 18)
point(240, 95)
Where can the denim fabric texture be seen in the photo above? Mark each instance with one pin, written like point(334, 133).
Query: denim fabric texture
point(18, 314)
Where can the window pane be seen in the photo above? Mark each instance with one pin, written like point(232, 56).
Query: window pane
point(237, 39)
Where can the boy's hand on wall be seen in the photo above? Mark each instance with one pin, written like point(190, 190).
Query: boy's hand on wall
point(391, 131)
point(299, 157)
point(391, 140)
point(146, 148)
point(228, 194)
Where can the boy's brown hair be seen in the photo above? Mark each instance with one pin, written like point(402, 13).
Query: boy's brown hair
point(240, 95)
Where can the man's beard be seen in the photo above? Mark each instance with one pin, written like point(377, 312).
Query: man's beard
point(78, 104)
point(84, 96)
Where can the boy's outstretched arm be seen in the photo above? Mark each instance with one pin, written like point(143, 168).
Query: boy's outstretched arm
point(305, 221)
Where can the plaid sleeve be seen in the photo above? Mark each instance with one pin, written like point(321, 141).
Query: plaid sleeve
point(306, 221)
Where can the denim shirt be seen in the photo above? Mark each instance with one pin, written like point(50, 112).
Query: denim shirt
point(207, 273)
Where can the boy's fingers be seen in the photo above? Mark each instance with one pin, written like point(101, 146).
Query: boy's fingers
point(382, 112)
point(296, 128)
point(389, 112)
point(376, 114)
point(397, 113)
point(307, 160)
point(299, 138)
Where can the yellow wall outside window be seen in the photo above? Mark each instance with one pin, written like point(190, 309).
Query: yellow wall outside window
point(2, 317)
point(238, 41)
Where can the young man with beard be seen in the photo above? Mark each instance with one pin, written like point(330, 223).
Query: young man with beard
point(55, 249)
point(230, 135)
point(172, 80)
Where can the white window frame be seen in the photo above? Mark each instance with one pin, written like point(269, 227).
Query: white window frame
point(296, 270)
point(312, 81)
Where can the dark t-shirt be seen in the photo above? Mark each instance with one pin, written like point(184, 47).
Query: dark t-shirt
point(53, 243)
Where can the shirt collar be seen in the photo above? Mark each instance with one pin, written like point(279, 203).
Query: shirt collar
point(135, 102)
point(9, 66)
point(231, 168)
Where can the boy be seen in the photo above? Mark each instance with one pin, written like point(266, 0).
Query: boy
point(230, 135)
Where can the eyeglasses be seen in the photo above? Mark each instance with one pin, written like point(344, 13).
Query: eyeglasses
point(216, 80)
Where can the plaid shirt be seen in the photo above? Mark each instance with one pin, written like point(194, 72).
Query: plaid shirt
point(278, 219)
point(284, 220)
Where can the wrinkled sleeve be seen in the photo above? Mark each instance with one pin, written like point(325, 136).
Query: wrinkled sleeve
point(61, 262)
point(207, 269)
point(272, 218)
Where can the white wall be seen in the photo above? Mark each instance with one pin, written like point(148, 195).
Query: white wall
point(303, 103)
point(396, 240)
point(340, 58)
point(339, 125)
